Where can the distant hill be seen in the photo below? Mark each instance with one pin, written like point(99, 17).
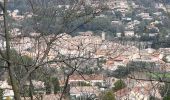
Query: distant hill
point(167, 1)
point(24, 5)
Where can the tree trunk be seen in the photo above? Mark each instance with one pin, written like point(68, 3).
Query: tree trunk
point(13, 80)
point(31, 88)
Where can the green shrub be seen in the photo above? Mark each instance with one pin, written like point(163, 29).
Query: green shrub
point(120, 84)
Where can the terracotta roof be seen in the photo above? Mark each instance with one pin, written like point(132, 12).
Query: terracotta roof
point(119, 58)
point(122, 92)
point(84, 89)
point(109, 62)
point(156, 54)
point(101, 52)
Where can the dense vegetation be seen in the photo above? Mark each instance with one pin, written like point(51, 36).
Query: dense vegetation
point(118, 85)
point(109, 96)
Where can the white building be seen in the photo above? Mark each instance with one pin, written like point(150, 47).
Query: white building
point(7, 90)
point(118, 34)
point(83, 91)
point(129, 33)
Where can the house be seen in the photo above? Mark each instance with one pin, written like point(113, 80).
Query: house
point(119, 34)
point(119, 5)
point(122, 94)
point(89, 79)
point(140, 90)
point(15, 15)
point(115, 22)
point(66, 6)
point(127, 19)
point(146, 54)
point(165, 51)
point(129, 33)
point(145, 16)
point(153, 34)
point(157, 13)
point(130, 25)
point(165, 67)
point(7, 90)
point(21, 44)
point(81, 44)
point(109, 65)
point(83, 92)
point(39, 86)
point(120, 60)
point(139, 93)
point(160, 6)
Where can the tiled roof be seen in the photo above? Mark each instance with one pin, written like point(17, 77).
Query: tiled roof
point(122, 92)
point(84, 89)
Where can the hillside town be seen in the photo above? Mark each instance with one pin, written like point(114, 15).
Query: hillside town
point(123, 55)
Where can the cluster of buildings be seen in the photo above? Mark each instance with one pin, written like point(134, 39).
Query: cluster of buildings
point(107, 54)
point(96, 47)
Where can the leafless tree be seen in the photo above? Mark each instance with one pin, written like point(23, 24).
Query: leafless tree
point(45, 15)
point(50, 23)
